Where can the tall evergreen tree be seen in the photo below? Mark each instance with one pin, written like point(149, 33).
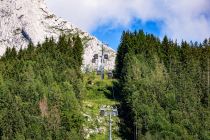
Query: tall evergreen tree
point(78, 51)
point(122, 50)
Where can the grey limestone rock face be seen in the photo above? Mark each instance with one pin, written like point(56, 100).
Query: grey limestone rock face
point(24, 21)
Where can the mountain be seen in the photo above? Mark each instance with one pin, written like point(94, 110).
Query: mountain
point(24, 21)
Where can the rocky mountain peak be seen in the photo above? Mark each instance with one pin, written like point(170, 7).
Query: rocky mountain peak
point(24, 21)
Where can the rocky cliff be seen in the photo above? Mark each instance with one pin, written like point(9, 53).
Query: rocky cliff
point(24, 21)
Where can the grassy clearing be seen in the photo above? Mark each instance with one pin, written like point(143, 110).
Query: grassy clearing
point(98, 93)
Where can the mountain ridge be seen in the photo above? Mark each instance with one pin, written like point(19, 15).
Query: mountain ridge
point(24, 21)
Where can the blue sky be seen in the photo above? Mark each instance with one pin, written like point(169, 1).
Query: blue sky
point(106, 19)
point(112, 35)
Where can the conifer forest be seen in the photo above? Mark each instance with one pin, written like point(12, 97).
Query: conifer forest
point(162, 87)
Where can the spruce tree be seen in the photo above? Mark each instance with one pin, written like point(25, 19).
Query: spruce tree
point(121, 53)
point(78, 51)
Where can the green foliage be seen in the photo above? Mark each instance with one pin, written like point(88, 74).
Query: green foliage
point(40, 91)
point(164, 87)
point(78, 51)
point(99, 93)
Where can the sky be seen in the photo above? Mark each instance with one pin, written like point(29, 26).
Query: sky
point(106, 19)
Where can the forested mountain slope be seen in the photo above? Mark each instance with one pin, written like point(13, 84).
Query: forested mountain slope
point(164, 87)
point(41, 90)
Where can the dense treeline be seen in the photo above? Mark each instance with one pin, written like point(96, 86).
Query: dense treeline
point(40, 91)
point(164, 87)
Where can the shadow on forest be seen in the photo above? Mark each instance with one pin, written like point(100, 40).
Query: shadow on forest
point(125, 119)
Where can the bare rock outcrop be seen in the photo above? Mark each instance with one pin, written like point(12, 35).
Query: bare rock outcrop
point(24, 21)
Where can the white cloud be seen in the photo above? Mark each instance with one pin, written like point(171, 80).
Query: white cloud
point(187, 19)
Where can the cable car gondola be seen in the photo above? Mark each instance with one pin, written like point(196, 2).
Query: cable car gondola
point(93, 60)
point(95, 56)
point(106, 56)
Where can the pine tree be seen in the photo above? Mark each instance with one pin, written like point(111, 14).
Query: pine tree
point(78, 51)
point(121, 53)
